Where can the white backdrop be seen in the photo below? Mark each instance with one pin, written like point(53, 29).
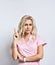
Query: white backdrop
point(43, 11)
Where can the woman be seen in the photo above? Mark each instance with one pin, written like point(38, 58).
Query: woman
point(27, 46)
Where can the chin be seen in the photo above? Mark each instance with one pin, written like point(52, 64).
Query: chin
point(28, 32)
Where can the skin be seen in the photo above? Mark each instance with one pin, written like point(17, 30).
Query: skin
point(27, 31)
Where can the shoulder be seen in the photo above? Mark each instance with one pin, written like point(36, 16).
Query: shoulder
point(36, 38)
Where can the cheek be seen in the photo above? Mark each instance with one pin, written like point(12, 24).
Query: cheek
point(30, 27)
point(25, 27)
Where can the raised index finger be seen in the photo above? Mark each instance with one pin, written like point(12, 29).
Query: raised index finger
point(14, 31)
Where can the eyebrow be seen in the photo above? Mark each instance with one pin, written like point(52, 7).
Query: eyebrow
point(28, 24)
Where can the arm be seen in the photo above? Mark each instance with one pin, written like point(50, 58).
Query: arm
point(14, 45)
point(35, 57)
point(14, 50)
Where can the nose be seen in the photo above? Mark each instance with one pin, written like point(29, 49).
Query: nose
point(27, 26)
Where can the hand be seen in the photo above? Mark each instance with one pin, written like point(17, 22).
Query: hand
point(16, 35)
point(15, 38)
point(20, 57)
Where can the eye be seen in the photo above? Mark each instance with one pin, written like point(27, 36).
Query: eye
point(30, 24)
point(26, 24)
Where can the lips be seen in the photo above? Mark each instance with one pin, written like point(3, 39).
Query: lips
point(27, 30)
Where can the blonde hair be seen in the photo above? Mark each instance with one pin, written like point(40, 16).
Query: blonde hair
point(22, 22)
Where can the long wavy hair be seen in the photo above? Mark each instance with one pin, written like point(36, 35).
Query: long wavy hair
point(21, 25)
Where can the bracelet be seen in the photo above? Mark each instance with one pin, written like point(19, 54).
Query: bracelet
point(24, 59)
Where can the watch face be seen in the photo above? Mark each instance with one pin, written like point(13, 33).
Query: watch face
point(24, 59)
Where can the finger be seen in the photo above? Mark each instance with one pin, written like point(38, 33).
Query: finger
point(14, 31)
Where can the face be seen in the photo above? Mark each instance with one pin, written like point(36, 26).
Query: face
point(28, 26)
